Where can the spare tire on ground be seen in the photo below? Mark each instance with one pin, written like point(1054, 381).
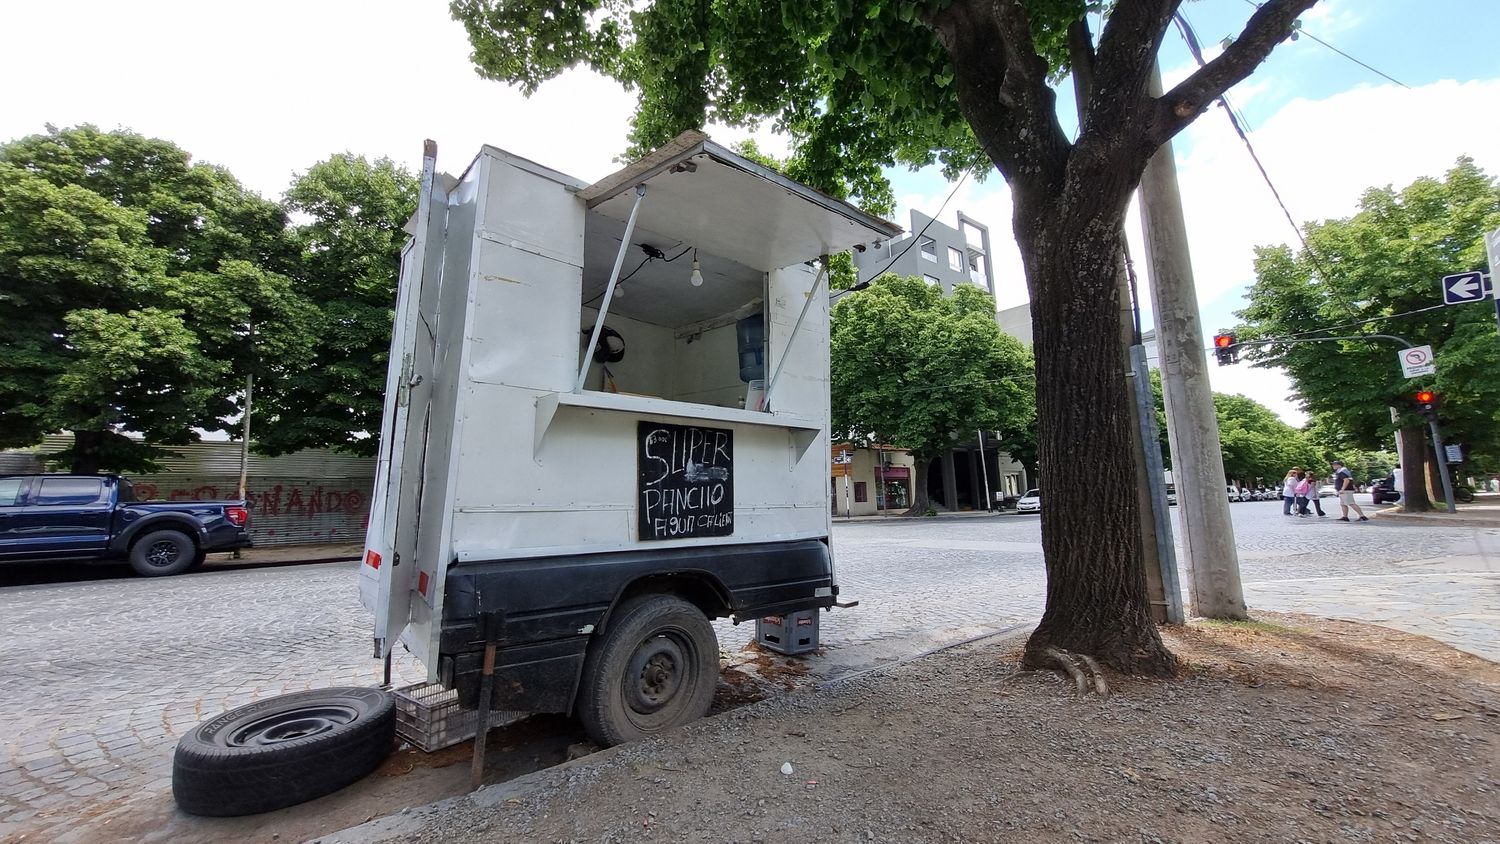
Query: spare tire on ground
point(282, 751)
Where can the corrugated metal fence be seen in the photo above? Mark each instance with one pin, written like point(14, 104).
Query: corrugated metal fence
point(312, 496)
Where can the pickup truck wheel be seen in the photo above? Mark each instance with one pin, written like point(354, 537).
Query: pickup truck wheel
point(283, 750)
point(163, 552)
point(655, 668)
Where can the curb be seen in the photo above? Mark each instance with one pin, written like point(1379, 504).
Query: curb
point(1435, 520)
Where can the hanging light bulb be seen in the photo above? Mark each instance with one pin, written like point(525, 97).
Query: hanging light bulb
point(620, 290)
point(697, 277)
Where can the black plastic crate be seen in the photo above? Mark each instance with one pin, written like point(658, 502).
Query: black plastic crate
point(790, 634)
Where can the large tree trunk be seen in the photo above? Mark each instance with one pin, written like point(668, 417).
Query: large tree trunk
point(1097, 601)
point(87, 446)
point(1414, 448)
point(921, 502)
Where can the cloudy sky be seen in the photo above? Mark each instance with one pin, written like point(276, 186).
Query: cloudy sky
point(268, 88)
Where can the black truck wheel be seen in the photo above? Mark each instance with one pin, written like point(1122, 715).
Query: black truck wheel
point(655, 668)
point(282, 751)
point(163, 552)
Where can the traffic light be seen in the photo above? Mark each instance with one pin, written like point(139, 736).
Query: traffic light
point(1427, 403)
point(1225, 349)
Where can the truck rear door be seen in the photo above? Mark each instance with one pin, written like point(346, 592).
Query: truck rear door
point(387, 576)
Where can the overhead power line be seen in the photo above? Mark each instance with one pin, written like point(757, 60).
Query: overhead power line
point(1315, 38)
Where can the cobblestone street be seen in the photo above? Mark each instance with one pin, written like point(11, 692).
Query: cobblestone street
point(102, 675)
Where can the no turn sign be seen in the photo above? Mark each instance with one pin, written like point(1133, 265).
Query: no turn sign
point(1416, 361)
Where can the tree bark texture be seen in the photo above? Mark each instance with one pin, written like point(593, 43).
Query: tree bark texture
point(1069, 205)
point(920, 500)
point(1097, 597)
point(1414, 452)
point(86, 448)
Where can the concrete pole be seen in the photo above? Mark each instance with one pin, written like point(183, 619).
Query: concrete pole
point(1192, 426)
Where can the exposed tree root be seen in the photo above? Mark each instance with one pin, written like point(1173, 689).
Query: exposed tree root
point(1082, 668)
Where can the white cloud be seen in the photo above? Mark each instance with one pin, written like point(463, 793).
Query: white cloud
point(1331, 17)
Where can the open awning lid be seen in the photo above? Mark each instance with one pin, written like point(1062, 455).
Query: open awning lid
point(723, 203)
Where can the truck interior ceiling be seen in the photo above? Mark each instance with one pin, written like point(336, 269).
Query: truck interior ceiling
point(685, 324)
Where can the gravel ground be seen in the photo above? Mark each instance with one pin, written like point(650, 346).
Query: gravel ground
point(1291, 728)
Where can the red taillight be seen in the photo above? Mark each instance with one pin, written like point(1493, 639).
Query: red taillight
point(372, 559)
point(237, 516)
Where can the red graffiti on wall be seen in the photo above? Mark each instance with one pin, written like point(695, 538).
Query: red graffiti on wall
point(299, 501)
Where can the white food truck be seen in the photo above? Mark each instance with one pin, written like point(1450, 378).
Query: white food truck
point(606, 423)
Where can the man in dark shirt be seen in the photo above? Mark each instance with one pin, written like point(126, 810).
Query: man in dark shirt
point(1343, 483)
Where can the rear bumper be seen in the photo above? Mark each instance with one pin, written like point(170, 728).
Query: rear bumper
point(226, 541)
point(548, 610)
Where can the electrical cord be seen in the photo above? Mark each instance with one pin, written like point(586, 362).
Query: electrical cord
point(652, 254)
point(914, 241)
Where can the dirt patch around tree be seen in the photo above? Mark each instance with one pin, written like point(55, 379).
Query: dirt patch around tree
point(1288, 728)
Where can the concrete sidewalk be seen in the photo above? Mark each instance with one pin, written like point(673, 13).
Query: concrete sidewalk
point(319, 553)
point(1483, 512)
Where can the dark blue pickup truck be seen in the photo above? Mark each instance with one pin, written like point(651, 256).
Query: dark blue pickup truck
point(96, 517)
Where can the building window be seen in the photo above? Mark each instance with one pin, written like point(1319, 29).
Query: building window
point(955, 260)
point(929, 248)
point(932, 280)
point(860, 495)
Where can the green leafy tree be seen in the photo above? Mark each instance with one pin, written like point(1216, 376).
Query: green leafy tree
point(919, 370)
point(1258, 446)
point(1367, 274)
point(128, 278)
point(351, 244)
point(864, 84)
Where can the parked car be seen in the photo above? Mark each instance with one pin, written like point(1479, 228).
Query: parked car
point(1031, 502)
point(1171, 495)
point(96, 518)
point(1326, 490)
point(1383, 491)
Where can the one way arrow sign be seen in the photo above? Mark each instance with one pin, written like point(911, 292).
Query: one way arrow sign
point(1465, 287)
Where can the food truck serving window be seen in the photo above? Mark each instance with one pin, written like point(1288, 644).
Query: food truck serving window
point(687, 318)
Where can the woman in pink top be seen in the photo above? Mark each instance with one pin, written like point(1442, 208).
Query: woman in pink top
point(1304, 486)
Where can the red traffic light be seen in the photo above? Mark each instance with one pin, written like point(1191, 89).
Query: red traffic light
point(1223, 341)
point(1426, 396)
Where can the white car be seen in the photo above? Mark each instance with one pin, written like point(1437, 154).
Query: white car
point(1031, 502)
point(1326, 490)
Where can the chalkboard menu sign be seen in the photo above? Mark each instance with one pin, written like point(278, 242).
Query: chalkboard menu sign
point(685, 486)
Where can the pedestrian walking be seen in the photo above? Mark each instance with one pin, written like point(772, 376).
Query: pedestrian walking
point(1301, 490)
point(1343, 482)
point(1289, 489)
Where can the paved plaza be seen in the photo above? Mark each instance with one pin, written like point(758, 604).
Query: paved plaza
point(104, 673)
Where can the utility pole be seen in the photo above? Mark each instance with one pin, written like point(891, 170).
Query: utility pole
point(1192, 426)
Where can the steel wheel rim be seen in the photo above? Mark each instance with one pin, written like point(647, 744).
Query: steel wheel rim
point(657, 673)
point(291, 725)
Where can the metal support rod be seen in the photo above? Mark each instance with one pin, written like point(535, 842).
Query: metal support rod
point(245, 438)
point(1442, 463)
point(609, 292)
point(491, 623)
point(984, 472)
point(1497, 312)
point(1156, 479)
point(386, 683)
point(765, 401)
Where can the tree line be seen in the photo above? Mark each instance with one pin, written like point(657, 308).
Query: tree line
point(139, 288)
